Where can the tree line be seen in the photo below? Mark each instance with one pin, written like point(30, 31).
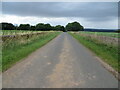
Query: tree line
point(74, 26)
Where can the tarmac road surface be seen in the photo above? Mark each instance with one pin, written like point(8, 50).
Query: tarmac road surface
point(62, 63)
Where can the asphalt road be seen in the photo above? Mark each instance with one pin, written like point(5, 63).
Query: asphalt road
point(62, 63)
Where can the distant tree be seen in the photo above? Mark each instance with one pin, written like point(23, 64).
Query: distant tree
point(118, 31)
point(74, 26)
point(59, 28)
point(24, 27)
point(0, 26)
point(47, 27)
point(16, 26)
point(40, 27)
point(7, 26)
point(63, 29)
point(53, 28)
point(32, 28)
point(43, 27)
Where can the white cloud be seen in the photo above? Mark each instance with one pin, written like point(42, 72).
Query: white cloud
point(34, 20)
point(111, 24)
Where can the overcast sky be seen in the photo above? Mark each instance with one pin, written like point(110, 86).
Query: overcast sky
point(89, 14)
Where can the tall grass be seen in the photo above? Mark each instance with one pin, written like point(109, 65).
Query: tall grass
point(18, 47)
point(109, 34)
point(16, 32)
point(107, 52)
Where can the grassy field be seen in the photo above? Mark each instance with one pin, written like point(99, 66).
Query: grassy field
point(16, 48)
point(109, 34)
point(17, 32)
point(106, 52)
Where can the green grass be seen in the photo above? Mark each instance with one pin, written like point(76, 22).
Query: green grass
point(14, 51)
point(107, 53)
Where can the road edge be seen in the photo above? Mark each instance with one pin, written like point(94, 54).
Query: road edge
point(108, 67)
point(103, 63)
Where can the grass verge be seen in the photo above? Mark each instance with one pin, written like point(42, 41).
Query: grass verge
point(107, 53)
point(12, 54)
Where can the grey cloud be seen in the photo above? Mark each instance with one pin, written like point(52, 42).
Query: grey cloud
point(91, 11)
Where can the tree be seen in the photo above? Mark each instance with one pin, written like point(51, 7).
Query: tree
point(24, 27)
point(47, 27)
point(39, 26)
point(118, 31)
point(74, 26)
point(59, 28)
point(32, 28)
point(63, 29)
point(43, 27)
point(7, 26)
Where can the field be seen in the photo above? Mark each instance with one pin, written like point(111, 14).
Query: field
point(17, 32)
point(109, 34)
point(17, 46)
point(106, 51)
point(102, 37)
